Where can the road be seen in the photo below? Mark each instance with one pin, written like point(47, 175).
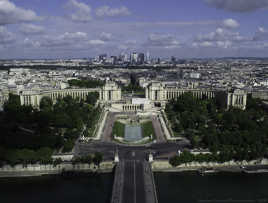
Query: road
point(160, 137)
point(161, 150)
point(137, 185)
point(133, 191)
point(108, 127)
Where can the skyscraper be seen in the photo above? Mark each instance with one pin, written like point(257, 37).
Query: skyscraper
point(103, 57)
point(148, 56)
point(141, 58)
point(173, 60)
point(134, 58)
point(114, 60)
point(126, 59)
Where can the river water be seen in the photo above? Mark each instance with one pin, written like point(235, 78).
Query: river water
point(171, 188)
point(56, 189)
point(226, 187)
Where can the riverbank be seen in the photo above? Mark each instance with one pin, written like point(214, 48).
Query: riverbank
point(39, 170)
point(157, 166)
point(231, 166)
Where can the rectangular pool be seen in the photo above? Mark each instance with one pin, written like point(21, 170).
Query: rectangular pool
point(133, 133)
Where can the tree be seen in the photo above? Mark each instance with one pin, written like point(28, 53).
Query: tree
point(44, 154)
point(88, 83)
point(57, 162)
point(27, 156)
point(98, 157)
point(133, 80)
point(86, 159)
point(44, 119)
point(92, 98)
point(46, 104)
point(31, 135)
point(12, 106)
point(68, 146)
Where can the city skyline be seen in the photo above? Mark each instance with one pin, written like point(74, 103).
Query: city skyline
point(83, 28)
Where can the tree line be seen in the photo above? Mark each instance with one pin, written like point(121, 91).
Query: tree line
point(27, 133)
point(232, 134)
point(86, 83)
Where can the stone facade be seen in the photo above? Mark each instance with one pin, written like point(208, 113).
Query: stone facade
point(263, 95)
point(34, 97)
point(133, 105)
point(4, 95)
point(110, 92)
point(160, 93)
point(237, 99)
point(156, 92)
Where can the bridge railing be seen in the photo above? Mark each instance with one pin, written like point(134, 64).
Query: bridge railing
point(117, 195)
point(150, 188)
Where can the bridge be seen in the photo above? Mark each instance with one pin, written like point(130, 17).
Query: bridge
point(134, 182)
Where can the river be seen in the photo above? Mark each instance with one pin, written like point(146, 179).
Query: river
point(171, 188)
point(226, 187)
point(56, 189)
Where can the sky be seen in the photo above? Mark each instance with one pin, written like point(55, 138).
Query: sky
point(36, 29)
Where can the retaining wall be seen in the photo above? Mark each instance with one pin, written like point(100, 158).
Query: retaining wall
point(37, 169)
point(160, 165)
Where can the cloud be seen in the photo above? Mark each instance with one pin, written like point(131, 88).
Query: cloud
point(76, 36)
point(162, 40)
point(176, 23)
point(106, 11)
point(128, 45)
point(230, 23)
point(222, 35)
point(203, 44)
point(217, 44)
point(220, 38)
point(261, 34)
point(30, 43)
point(131, 42)
point(81, 11)
point(30, 29)
point(6, 37)
point(123, 47)
point(224, 44)
point(65, 39)
point(238, 5)
point(10, 13)
point(104, 36)
point(96, 42)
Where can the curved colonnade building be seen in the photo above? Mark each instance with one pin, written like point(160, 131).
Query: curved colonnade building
point(161, 93)
point(108, 93)
point(157, 93)
point(34, 97)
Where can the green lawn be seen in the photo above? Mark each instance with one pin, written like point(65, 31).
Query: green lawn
point(118, 129)
point(147, 129)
